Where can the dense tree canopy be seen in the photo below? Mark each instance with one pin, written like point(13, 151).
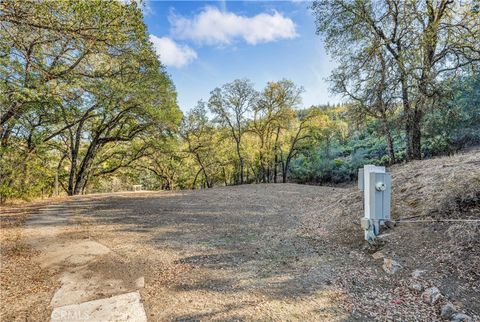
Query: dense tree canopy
point(82, 88)
point(414, 47)
point(87, 106)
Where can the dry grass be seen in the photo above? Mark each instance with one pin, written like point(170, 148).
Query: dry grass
point(25, 288)
point(440, 186)
point(271, 252)
point(435, 189)
point(447, 187)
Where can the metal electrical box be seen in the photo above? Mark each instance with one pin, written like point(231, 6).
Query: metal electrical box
point(376, 185)
point(361, 181)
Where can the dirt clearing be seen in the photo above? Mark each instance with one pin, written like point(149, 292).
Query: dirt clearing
point(282, 252)
point(227, 254)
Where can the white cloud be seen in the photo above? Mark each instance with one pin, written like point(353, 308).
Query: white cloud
point(215, 27)
point(172, 54)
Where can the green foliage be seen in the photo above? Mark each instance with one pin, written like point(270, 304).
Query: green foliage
point(455, 123)
point(399, 55)
point(339, 160)
point(451, 126)
point(86, 100)
point(84, 94)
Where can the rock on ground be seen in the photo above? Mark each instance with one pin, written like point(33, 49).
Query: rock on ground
point(431, 295)
point(447, 311)
point(418, 273)
point(416, 287)
point(378, 255)
point(460, 317)
point(390, 266)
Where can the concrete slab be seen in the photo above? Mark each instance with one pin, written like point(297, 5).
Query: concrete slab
point(124, 307)
point(74, 253)
point(85, 293)
point(84, 285)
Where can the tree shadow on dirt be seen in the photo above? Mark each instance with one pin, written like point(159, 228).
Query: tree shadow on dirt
point(256, 241)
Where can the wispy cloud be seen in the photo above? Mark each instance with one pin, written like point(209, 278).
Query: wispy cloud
point(172, 54)
point(215, 27)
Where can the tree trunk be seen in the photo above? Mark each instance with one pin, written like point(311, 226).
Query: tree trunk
point(241, 170)
point(195, 180)
point(225, 176)
point(414, 135)
point(73, 169)
point(417, 135)
point(408, 118)
point(275, 168)
point(84, 186)
point(75, 147)
point(240, 158)
point(82, 172)
point(203, 170)
point(285, 169)
point(260, 175)
point(389, 139)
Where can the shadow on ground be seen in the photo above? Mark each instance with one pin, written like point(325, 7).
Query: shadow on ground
point(241, 248)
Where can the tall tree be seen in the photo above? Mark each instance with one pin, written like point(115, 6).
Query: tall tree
point(231, 105)
point(44, 46)
point(129, 107)
point(371, 89)
point(426, 41)
point(199, 136)
point(305, 127)
point(85, 74)
point(270, 115)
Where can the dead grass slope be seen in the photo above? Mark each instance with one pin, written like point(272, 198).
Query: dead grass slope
point(427, 192)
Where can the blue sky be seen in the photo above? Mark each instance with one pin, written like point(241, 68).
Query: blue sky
point(207, 44)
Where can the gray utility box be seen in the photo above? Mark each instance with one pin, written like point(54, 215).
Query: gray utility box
point(376, 185)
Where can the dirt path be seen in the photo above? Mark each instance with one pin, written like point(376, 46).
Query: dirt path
point(225, 254)
point(82, 291)
point(280, 252)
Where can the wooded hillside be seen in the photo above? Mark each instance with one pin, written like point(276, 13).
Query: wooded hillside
point(88, 107)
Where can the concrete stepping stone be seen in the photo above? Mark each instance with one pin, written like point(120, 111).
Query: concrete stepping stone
point(125, 307)
point(84, 294)
point(74, 253)
point(76, 287)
